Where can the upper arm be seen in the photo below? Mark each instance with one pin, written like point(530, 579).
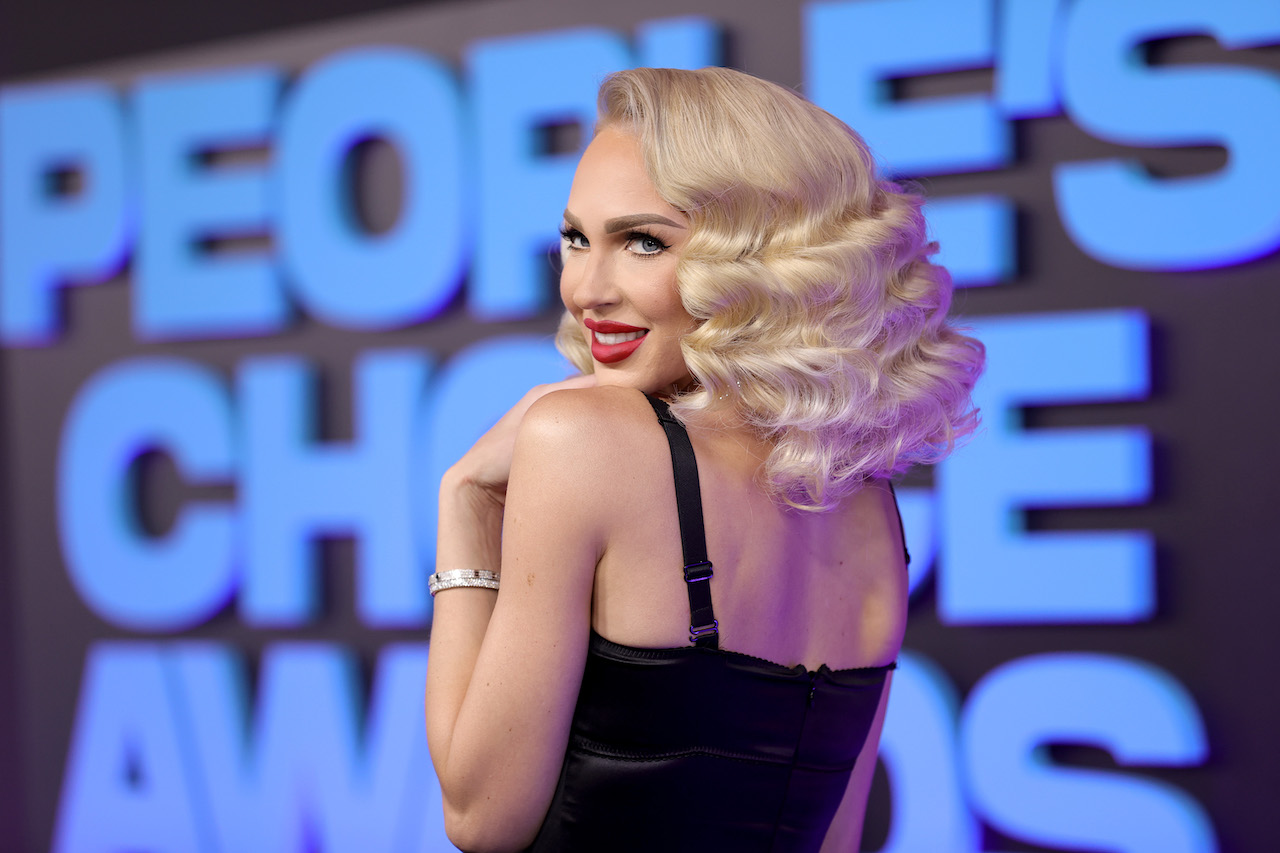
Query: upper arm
point(845, 833)
point(535, 646)
point(553, 534)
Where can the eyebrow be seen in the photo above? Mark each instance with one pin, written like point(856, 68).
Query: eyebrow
point(622, 223)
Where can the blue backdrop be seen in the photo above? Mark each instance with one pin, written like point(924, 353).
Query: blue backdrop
point(255, 296)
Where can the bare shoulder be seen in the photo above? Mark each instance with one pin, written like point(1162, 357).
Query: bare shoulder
point(596, 422)
point(589, 450)
point(888, 503)
point(882, 574)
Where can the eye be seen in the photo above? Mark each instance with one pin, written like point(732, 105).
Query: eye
point(573, 238)
point(645, 244)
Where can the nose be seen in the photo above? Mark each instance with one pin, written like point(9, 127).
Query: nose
point(587, 281)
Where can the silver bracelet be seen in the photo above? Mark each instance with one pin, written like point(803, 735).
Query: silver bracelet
point(482, 578)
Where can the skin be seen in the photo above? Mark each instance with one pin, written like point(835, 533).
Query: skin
point(570, 496)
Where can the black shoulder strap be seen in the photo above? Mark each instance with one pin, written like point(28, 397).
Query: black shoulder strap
point(901, 530)
point(703, 627)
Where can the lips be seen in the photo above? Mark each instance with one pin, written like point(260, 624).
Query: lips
point(612, 342)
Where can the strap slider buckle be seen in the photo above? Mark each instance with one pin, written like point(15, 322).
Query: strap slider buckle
point(703, 630)
point(695, 572)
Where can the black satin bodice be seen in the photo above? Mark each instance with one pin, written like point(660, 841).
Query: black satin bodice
point(696, 749)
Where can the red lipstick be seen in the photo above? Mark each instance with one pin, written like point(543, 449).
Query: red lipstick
point(613, 352)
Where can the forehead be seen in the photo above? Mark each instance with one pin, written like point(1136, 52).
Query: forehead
point(611, 177)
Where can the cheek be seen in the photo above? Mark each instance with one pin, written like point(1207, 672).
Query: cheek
point(668, 298)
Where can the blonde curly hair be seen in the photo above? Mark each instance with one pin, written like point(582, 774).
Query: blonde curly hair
point(822, 320)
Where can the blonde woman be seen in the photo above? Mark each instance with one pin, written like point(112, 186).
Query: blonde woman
point(703, 587)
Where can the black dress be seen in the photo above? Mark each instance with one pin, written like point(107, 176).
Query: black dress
point(702, 749)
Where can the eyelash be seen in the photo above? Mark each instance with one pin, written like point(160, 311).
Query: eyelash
point(569, 235)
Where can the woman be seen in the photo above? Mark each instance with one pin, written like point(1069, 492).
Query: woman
point(728, 252)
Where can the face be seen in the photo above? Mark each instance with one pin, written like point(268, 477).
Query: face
point(620, 245)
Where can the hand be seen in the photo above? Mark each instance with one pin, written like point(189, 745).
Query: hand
point(486, 467)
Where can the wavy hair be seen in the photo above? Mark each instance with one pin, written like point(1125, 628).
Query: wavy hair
point(822, 319)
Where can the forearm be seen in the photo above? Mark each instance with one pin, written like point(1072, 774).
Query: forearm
point(486, 732)
point(470, 532)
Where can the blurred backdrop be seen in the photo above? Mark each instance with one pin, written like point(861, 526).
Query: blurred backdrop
point(267, 268)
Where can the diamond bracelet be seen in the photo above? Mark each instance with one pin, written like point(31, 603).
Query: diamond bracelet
point(482, 578)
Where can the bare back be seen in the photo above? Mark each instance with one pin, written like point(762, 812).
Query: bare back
point(790, 586)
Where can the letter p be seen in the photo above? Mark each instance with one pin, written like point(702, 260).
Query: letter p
point(64, 216)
